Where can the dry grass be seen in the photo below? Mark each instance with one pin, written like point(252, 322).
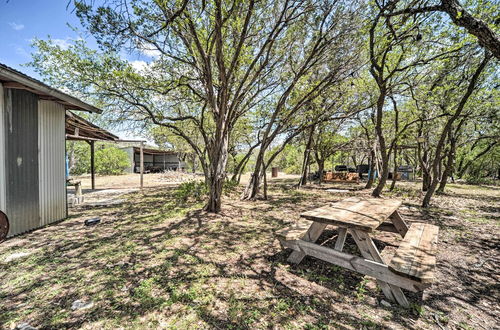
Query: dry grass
point(155, 263)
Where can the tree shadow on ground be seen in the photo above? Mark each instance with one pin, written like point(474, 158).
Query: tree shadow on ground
point(156, 262)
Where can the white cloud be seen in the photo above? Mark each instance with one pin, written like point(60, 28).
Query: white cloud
point(151, 52)
point(63, 43)
point(22, 52)
point(138, 65)
point(17, 27)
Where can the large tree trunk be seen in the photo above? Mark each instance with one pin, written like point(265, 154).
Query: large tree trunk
point(307, 153)
point(381, 141)
point(252, 189)
point(321, 168)
point(422, 159)
point(217, 174)
point(487, 37)
point(448, 167)
point(371, 176)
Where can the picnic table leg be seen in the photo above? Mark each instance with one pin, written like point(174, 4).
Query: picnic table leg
point(339, 244)
point(370, 252)
point(399, 223)
point(313, 233)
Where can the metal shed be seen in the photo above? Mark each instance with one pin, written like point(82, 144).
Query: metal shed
point(155, 160)
point(32, 150)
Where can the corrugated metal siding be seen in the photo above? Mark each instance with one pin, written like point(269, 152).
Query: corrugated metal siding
point(51, 158)
point(2, 153)
point(21, 117)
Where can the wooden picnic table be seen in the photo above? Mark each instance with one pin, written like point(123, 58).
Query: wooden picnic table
point(412, 266)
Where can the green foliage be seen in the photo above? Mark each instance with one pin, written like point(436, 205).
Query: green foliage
point(290, 159)
point(229, 187)
point(109, 160)
point(190, 190)
point(79, 157)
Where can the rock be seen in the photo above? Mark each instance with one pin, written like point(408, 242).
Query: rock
point(385, 303)
point(25, 326)
point(78, 304)
point(15, 256)
point(371, 301)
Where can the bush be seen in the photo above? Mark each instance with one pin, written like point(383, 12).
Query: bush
point(195, 190)
point(109, 160)
point(229, 186)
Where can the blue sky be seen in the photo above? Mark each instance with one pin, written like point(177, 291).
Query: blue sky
point(24, 20)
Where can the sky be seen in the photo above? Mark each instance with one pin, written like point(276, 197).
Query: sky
point(21, 21)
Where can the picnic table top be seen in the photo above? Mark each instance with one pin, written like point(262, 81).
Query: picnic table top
point(355, 212)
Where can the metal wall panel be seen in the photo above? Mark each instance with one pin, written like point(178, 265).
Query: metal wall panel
point(21, 117)
point(51, 159)
point(3, 184)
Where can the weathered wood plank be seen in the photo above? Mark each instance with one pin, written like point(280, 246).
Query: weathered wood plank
point(295, 231)
point(416, 255)
point(399, 223)
point(312, 235)
point(370, 251)
point(339, 243)
point(360, 213)
point(354, 263)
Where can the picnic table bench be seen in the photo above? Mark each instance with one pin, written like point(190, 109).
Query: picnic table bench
point(411, 268)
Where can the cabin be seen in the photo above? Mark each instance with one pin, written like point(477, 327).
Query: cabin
point(32, 150)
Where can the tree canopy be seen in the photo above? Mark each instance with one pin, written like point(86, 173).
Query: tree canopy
point(241, 85)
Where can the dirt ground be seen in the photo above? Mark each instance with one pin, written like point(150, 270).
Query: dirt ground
point(157, 261)
point(133, 180)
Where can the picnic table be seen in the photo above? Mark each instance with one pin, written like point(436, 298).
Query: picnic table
point(411, 268)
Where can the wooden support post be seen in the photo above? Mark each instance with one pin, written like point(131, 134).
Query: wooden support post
point(312, 235)
point(399, 223)
point(142, 164)
point(339, 244)
point(92, 163)
point(369, 251)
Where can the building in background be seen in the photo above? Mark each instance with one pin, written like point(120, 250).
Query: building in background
point(154, 160)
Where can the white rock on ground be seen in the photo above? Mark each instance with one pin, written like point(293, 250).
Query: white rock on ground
point(385, 303)
point(25, 326)
point(78, 304)
point(17, 255)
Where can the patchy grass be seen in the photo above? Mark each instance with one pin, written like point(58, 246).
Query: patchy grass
point(158, 261)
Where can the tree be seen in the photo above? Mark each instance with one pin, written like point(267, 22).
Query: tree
point(435, 178)
point(216, 62)
point(327, 142)
point(395, 49)
point(487, 37)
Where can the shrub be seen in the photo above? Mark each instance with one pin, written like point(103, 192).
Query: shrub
point(111, 161)
point(229, 186)
point(195, 190)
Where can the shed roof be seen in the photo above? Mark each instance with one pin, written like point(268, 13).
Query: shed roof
point(155, 151)
point(78, 128)
point(11, 78)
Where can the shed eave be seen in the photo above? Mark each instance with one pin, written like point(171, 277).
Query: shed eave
point(10, 77)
